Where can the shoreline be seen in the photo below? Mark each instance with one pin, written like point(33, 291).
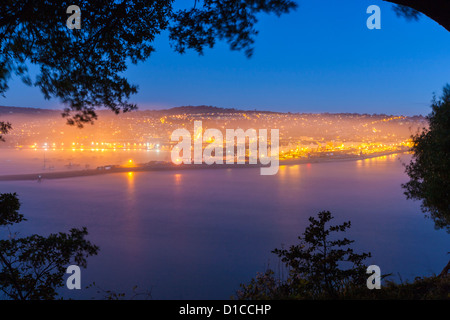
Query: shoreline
point(169, 166)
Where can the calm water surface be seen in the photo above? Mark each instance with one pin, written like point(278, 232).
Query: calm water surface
point(199, 234)
point(20, 161)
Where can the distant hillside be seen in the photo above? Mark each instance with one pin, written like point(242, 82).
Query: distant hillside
point(186, 110)
point(171, 111)
point(33, 126)
point(197, 110)
point(27, 111)
point(208, 109)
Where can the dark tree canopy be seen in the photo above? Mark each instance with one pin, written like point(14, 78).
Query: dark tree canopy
point(321, 266)
point(4, 128)
point(437, 10)
point(82, 67)
point(429, 169)
point(33, 267)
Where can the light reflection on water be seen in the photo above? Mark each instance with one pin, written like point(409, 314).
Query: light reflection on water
point(197, 234)
point(18, 161)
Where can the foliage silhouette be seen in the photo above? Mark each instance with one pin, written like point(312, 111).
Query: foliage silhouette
point(316, 266)
point(33, 267)
point(83, 67)
point(437, 10)
point(429, 169)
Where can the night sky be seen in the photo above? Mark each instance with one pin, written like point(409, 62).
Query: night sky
point(319, 58)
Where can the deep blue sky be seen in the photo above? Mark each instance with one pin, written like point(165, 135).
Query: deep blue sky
point(320, 58)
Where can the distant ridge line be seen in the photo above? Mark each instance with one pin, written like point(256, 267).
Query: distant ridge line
point(8, 110)
point(174, 110)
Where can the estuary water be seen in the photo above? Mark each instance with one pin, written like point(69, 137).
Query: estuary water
point(198, 234)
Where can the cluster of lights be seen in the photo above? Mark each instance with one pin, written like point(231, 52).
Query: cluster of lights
point(365, 148)
point(94, 146)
